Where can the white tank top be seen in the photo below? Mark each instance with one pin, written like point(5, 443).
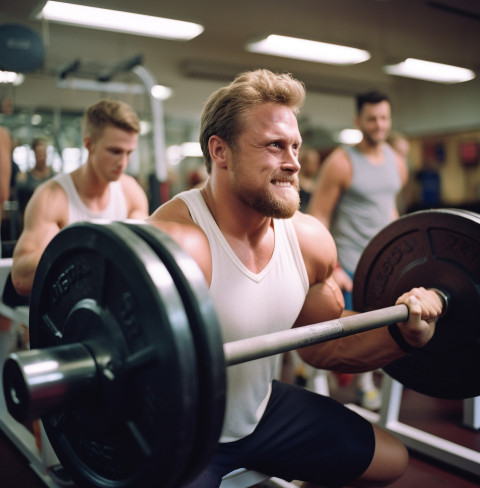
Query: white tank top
point(78, 211)
point(249, 304)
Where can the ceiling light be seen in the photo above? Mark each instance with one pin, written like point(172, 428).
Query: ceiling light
point(161, 92)
point(319, 52)
point(191, 150)
point(11, 77)
point(349, 136)
point(117, 21)
point(426, 70)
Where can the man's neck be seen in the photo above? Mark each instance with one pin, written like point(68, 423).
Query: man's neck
point(372, 151)
point(233, 217)
point(88, 185)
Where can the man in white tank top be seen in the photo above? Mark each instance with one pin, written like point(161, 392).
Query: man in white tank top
point(269, 267)
point(98, 189)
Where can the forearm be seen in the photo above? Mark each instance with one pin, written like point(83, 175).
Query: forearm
point(378, 347)
point(23, 272)
point(365, 351)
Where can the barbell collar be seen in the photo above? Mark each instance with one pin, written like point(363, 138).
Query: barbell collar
point(265, 345)
point(42, 381)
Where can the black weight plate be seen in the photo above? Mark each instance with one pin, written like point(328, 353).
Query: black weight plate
point(434, 249)
point(207, 337)
point(102, 285)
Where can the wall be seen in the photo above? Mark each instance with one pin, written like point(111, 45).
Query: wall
point(460, 185)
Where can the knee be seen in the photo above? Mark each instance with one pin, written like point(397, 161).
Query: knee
point(389, 462)
point(398, 463)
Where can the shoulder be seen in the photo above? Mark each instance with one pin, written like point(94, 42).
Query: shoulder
point(317, 246)
point(49, 192)
point(174, 219)
point(135, 197)
point(49, 203)
point(4, 135)
point(5, 141)
point(129, 184)
point(337, 163)
point(175, 210)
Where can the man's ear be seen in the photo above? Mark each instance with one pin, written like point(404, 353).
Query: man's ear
point(87, 142)
point(218, 151)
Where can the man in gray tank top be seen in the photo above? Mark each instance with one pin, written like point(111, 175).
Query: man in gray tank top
point(355, 197)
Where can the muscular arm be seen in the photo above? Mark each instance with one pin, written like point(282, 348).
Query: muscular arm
point(44, 217)
point(324, 301)
point(5, 165)
point(137, 203)
point(404, 175)
point(334, 177)
point(174, 218)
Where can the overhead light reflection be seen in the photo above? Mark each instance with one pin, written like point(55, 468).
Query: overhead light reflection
point(118, 21)
point(426, 70)
point(350, 136)
point(320, 52)
point(11, 77)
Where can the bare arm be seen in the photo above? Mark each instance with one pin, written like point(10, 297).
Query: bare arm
point(334, 177)
point(5, 164)
point(324, 301)
point(404, 175)
point(45, 215)
point(174, 218)
point(137, 203)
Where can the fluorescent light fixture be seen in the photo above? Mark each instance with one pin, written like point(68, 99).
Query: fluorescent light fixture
point(118, 21)
point(11, 77)
point(426, 70)
point(319, 52)
point(158, 91)
point(161, 92)
point(145, 127)
point(350, 136)
point(191, 150)
point(176, 153)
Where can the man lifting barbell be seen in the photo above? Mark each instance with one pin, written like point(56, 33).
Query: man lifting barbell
point(268, 267)
point(130, 383)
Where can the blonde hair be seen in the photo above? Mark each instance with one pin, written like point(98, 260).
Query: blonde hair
point(225, 109)
point(109, 113)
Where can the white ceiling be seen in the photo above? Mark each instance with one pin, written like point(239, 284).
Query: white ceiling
point(446, 31)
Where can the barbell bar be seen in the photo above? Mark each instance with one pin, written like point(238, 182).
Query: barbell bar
point(244, 350)
point(153, 388)
point(41, 381)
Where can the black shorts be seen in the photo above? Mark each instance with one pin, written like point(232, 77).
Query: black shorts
point(301, 436)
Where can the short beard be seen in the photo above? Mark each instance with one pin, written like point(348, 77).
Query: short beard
point(265, 202)
point(269, 206)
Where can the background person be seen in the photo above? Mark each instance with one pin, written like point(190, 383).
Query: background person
point(309, 159)
point(98, 189)
point(5, 172)
point(26, 182)
point(5, 169)
point(268, 267)
point(355, 197)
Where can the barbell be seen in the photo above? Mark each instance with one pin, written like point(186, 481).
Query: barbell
point(127, 369)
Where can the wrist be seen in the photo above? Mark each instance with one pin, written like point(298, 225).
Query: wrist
point(402, 343)
point(444, 298)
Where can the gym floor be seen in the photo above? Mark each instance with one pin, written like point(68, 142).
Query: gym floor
point(439, 417)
